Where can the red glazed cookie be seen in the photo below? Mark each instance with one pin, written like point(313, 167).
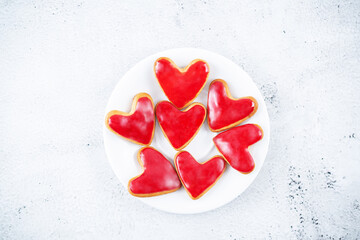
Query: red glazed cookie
point(180, 127)
point(225, 111)
point(234, 143)
point(181, 85)
point(159, 176)
point(137, 126)
point(198, 178)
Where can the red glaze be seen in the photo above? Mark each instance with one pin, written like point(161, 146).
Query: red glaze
point(198, 178)
point(225, 111)
point(180, 127)
point(181, 86)
point(139, 125)
point(233, 145)
point(159, 176)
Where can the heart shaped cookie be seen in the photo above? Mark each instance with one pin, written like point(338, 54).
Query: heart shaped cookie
point(225, 111)
point(198, 178)
point(180, 127)
point(137, 126)
point(181, 86)
point(234, 146)
point(159, 176)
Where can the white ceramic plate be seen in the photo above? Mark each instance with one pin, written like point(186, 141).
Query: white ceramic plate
point(122, 153)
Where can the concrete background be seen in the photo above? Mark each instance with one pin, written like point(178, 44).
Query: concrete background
point(60, 60)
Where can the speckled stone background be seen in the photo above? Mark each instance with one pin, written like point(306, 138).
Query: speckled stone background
point(60, 60)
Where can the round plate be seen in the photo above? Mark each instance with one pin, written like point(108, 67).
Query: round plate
point(122, 153)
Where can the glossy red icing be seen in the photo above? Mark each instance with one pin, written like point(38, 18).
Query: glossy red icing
point(224, 111)
point(179, 127)
point(233, 145)
point(181, 87)
point(138, 126)
point(198, 178)
point(159, 175)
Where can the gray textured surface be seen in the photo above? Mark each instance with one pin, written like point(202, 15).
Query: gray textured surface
point(60, 60)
